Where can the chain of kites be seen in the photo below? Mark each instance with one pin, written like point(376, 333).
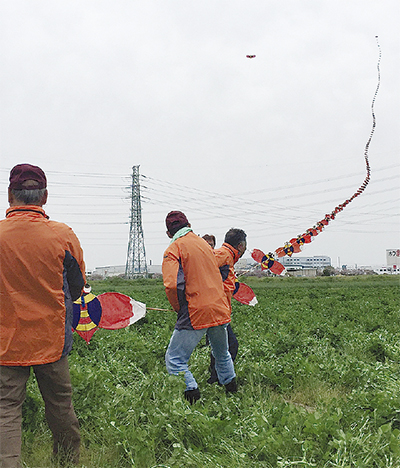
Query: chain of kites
point(268, 261)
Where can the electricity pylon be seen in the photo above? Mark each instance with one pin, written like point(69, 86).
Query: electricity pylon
point(136, 258)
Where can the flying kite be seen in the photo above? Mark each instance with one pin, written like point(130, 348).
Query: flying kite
point(250, 56)
point(268, 261)
point(295, 244)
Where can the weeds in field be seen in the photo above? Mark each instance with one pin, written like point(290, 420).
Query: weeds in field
point(318, 373)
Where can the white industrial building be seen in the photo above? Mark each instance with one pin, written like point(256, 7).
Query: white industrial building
point(119, 270)
point(305, 266)
point(318, 261)
point(392, 263)
point(107, 271)
point(244, 264)
point(393, 258)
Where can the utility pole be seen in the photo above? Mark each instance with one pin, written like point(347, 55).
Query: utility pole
point(136, 258)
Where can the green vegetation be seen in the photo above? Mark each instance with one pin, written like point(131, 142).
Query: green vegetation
point(318, 369)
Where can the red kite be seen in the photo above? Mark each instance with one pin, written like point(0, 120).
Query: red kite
point(268, 262)
point(295, 244)
point(108, 310)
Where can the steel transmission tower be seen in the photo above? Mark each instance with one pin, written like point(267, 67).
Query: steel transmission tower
point(136, 259)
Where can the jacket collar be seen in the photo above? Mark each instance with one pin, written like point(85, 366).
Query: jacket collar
point(182, 232)
point(234, 252)
point(14, 210)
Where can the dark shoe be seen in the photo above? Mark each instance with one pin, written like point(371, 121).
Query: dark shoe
point(192, 395)
point(231, 387)
point(213, 378)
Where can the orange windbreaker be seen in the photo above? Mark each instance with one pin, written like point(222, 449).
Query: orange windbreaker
point(193, 284)
point(41, 273)
point(226, 257)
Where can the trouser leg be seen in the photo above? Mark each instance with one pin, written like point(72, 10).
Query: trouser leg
point(179, 350)
point(223, 360)
point(232, 342)
point(213, 373)
point(55, 386)
point(12, 395)
point(233, 345)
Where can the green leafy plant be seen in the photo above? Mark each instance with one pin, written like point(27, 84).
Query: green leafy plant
point(318, 384)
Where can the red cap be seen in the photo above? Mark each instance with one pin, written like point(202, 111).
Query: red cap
point(175, 220)
point(23, 172)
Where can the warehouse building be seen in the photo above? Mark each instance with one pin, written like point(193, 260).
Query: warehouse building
point(318, 261)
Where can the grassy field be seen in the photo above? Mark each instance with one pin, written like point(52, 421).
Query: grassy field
point(318, 373)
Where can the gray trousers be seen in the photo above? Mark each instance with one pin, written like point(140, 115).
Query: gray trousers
point(55, 386)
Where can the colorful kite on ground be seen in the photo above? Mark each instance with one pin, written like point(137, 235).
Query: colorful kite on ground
point(86, 314)
point(295, 244)
point(110, 310)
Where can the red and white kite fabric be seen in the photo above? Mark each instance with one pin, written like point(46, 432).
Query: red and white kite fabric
point(295, 244)
point(119, 311)
point(244, 294)
point(111, 311)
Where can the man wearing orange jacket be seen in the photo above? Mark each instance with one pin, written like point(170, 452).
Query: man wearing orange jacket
point(41, 274)
point(194, 289)
point(227, 255)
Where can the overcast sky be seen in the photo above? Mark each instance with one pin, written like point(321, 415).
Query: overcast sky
point(271, 144)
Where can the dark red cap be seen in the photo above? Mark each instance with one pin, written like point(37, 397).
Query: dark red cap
point(23, 172)
point(175, 220)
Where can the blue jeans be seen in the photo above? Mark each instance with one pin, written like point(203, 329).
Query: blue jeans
point(233, 346)
point(182, 344)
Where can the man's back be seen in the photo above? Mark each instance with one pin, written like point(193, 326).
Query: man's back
point(193, 283)
point(36, 255)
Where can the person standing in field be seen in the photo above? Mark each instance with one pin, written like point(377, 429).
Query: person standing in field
point(227, 255)
point(41, 274)
point(194, 289)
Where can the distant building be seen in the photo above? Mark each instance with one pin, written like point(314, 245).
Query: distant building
point(393, 258)
point(119, 270)
point(319, 261)
point(309, 272)
point(392, 263)
point(392, 266)
point(107, 271)
point(244, 264)
point(295, 266)
point(154, 269)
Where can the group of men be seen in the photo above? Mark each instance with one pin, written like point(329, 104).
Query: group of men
point(199, 283)
point(42, 272)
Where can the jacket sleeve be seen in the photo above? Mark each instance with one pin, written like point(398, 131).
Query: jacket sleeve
point(76, 251)
point(74, 264)
point(222, 262)
point(170, 269)
point(75, 277)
